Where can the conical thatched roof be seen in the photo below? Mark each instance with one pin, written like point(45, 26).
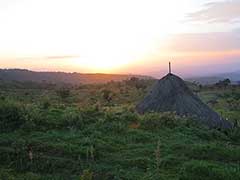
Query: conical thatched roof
point(172, 94)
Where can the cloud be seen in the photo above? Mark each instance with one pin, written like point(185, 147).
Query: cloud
point(205, 42)
point(223, 11)
point(60, 57)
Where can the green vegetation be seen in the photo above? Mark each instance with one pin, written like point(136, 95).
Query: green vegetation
point(93, 132)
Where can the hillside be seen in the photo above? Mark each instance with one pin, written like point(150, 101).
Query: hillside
point(23, 75)
point(233, 76)
point(93, 132)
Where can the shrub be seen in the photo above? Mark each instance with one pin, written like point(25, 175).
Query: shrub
point(130, 117)
point(73, 119)
point(39, 119)
point(45, 104)
point(156, 120)
point(87, 175)
point(107, 95)
point(235, 134)
point(35, 119)
point(202, 170)
point(30, 175)
point(12, 116)
point(63, 93)
point(6, 174)
point(91, 114)
point(115, 127)
point(213, 151)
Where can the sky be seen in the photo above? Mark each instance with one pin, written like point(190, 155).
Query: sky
point(199, 37)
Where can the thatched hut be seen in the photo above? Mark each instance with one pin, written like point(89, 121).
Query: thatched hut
point(172, 94)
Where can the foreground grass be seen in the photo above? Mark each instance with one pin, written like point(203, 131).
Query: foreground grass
point(86, 137)
point(118, 145)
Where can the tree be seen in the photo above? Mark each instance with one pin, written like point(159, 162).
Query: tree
point(136, 82)
point(223, 83)
point(226, 82)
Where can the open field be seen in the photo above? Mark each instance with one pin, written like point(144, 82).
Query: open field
point(93, 132)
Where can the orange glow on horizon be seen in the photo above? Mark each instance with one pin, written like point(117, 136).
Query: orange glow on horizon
point(142, 66)
point(110, 36)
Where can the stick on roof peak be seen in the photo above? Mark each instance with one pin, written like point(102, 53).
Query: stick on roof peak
point(169, 68)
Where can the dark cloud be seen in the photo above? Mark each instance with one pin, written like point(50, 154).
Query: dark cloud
point(224, 11)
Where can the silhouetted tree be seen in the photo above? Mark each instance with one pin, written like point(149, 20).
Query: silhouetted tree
point(136, 82)
point(223, 83)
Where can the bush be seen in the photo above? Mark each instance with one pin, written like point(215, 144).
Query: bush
point(73, 119)
point(12, 116)
point(107, 95)
point(6, 174)
point(115, 127)
point(235, 134)
point(87, 175)
point(45, 104)
point(70, 118)
point(202, 170)
point(215, 152)
point(130, 117)
point(63, 93)
point(91, 115)
point(43, 119)
point(155, 120)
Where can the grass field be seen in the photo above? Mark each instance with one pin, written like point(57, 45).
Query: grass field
point(93, 132)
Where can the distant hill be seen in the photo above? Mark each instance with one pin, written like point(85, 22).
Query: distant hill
point(23, 75)
point(233, 76)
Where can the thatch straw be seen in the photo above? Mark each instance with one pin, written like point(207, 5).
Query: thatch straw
point(172, 94)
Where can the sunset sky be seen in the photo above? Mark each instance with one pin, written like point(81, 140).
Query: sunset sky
point(200, 37)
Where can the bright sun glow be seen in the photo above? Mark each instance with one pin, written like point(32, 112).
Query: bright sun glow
point(112, 52)
point(104, 35)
